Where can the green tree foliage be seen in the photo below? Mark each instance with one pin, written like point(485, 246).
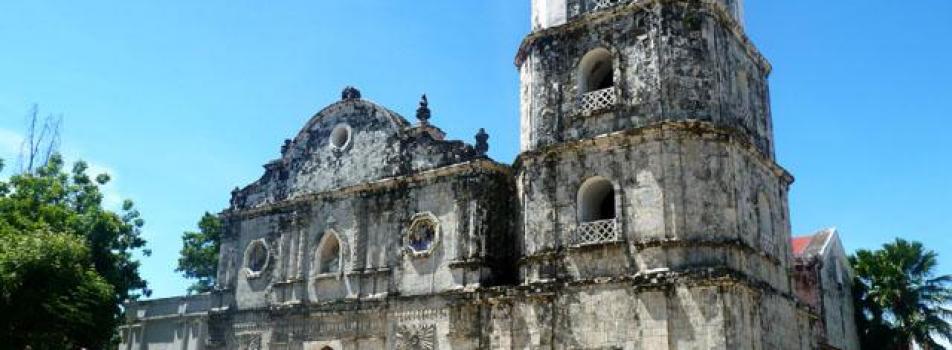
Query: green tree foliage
point(199, 255)
point(61, 250)
point(899, 299)
point(50, 296)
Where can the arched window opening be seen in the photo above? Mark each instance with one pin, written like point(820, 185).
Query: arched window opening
point(329, 255)
point(600, 76)
point(327, 348)
point(596, 200)
point(596, 71)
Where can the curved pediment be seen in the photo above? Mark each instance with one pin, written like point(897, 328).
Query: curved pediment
point(350, 142)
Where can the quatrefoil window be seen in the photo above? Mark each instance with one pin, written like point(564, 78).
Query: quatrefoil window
point(422, 235)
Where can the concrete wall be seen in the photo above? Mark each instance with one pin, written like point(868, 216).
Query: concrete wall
point(179, 323)
point(824, 281)
point(548, 13)
point(837, 299)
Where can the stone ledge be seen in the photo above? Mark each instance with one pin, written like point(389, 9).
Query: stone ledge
point(735, 243)
point(655, 132)
point(479, 166)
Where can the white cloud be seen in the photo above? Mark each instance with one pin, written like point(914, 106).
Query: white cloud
point(11, 141)
point(111, 199)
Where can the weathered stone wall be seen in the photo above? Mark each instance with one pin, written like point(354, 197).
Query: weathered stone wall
point(650, 315)
point(838, 312)
point(380, 144)
point(365, 195)
point(474, 240)
point(683, 134)
point(836, 299)
point(661, 311)
point(688, 199)
point(672, 61)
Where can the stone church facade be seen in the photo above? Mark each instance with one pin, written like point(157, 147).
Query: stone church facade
point(646, 210)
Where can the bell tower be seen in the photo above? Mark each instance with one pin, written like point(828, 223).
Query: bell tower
point(647, 156)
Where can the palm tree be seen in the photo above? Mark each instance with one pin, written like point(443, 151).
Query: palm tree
point(900, 301)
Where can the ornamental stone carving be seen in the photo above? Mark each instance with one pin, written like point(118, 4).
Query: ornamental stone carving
point(416, 337)
point(423, 112)
point(482, 144)
point(350, 93)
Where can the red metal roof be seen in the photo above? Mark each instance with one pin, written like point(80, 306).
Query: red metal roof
point(800, 244)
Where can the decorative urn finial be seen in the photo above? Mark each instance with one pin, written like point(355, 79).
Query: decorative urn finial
point(482, 146)
point(423, 113)
point(350, 93)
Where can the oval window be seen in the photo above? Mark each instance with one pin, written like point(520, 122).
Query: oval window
point(256, 257)
point(340, 137)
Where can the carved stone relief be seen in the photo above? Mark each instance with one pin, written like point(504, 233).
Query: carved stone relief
point(416, 337)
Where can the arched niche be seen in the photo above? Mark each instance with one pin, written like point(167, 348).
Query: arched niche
point(329, 254)
point(596, 200)
point(596, 71)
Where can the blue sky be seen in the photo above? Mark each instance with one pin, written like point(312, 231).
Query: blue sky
point(181, 101)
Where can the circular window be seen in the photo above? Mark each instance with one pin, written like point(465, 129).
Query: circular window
point(340, 136)
point(256, 257)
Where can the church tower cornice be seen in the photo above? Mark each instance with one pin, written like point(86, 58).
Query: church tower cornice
point(714, 8)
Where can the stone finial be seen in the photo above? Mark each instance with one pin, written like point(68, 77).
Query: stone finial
point(482, 146)
point(423, 113)
point(350, 93)
point(234, 197)
point(285, 147)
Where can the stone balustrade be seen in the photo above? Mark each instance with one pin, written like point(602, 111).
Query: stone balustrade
point(597, 100)
point(596, 232)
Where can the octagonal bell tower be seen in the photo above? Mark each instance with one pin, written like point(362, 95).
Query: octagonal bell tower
point(648, 157)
